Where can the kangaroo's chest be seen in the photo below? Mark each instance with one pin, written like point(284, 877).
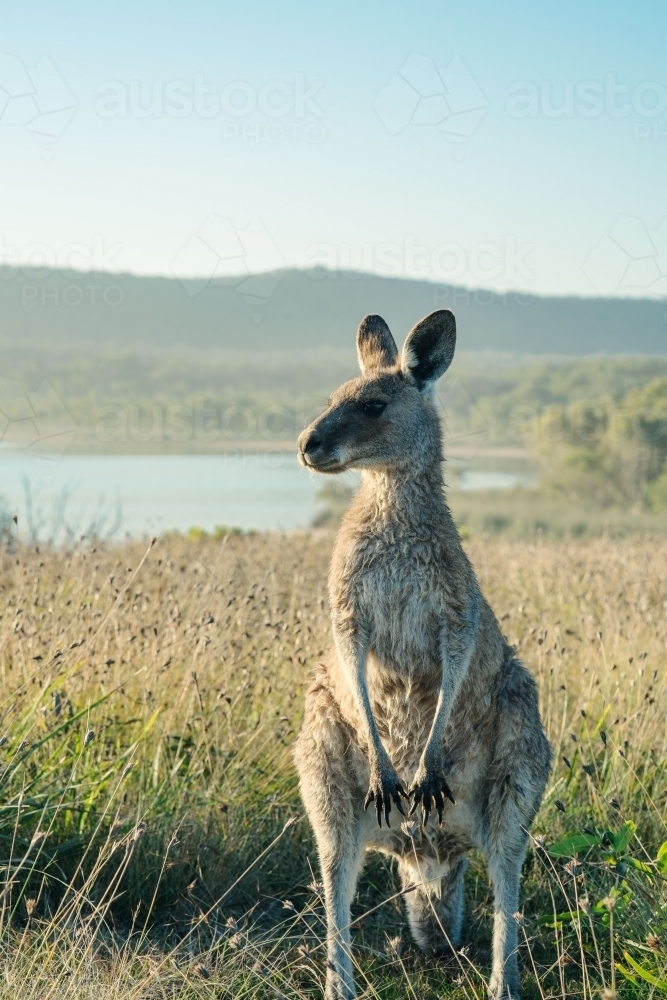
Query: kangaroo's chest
point(401, 606)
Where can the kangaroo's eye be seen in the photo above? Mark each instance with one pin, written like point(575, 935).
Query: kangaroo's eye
point(374, 407)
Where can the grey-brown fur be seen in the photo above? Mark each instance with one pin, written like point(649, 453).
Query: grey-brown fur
point(420, 691)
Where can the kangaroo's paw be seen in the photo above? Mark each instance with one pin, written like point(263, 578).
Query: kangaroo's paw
point(430, 788)
point(385, 786)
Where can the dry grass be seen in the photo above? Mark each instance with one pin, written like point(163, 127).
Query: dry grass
point(149, 697)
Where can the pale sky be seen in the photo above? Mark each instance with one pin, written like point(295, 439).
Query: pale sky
point(518, 145)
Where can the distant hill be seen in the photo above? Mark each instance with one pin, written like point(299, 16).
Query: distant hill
point(301, 309)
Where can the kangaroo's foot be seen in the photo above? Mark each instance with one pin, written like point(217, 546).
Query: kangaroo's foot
point(435, 907)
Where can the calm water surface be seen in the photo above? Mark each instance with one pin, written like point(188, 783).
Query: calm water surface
point(118, 495)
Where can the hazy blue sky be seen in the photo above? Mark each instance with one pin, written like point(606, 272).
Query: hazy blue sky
point(306, 144)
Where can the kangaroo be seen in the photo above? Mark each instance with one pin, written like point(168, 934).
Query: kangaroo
point(421, 700)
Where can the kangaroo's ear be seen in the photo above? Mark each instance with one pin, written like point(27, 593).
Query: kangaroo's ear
point(375, 345)
point(429, 348)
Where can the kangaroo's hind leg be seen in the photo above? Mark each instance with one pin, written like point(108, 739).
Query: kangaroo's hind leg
point(505, 871)
point(434, 905)
point(341, 857)
point(516, 781)
point(334, 803)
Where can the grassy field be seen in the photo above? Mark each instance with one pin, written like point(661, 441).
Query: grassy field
point(153, 843)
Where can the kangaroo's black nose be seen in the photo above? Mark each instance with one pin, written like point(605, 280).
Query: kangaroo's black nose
point(313, 443)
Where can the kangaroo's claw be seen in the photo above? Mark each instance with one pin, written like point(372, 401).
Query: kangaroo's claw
point(383, 788)
point(430, 788)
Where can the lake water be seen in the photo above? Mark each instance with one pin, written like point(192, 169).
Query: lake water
point(119, 495)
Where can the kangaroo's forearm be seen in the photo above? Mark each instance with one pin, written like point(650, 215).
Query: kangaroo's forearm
point(352, 655)
point(455, 663)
